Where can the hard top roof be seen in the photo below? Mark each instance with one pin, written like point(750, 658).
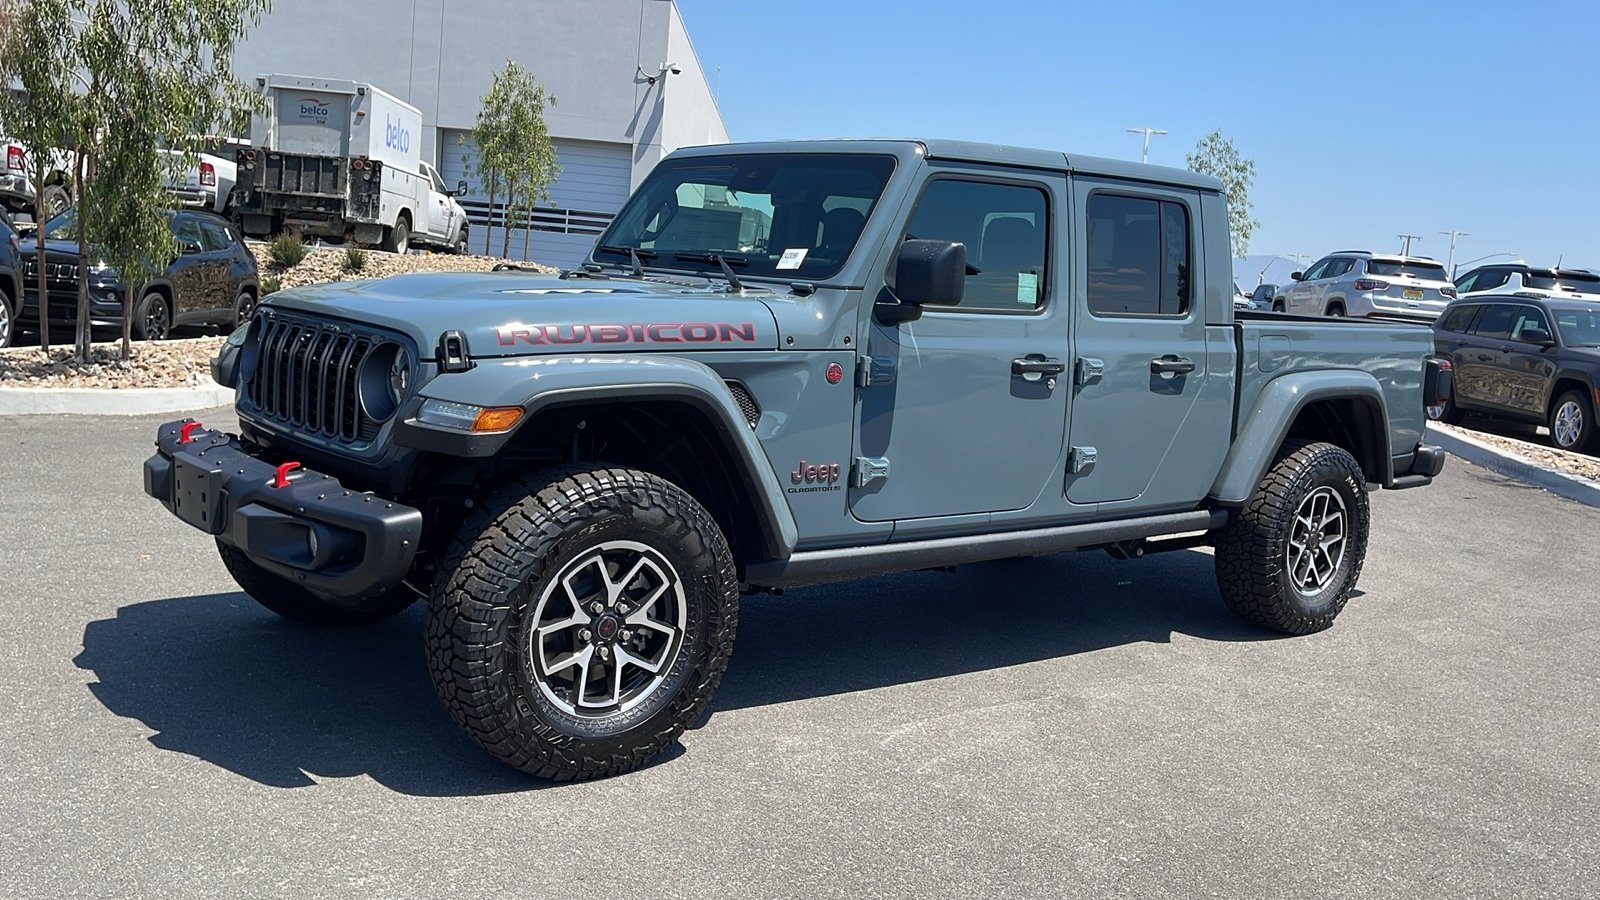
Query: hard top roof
point(969, 151)
point(1551, 302)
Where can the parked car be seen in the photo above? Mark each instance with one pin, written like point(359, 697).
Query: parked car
point(206, 181)
point(1262, 295)
point(1362, 283)
point(1521, 278)
point(10, 280)
point(697, 414)
point(211, 282)
point(16, 180)
point(1526, 359)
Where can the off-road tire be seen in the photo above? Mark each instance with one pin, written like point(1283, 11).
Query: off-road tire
point(509, 554)
point(1585, 441)
point(297, 604)
point(1252, 549)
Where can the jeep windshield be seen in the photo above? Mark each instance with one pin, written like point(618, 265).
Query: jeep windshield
point(790, 216)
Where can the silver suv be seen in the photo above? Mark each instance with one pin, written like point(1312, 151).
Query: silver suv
point(1362, 283)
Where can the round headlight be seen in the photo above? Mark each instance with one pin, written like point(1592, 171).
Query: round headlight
point(384, 379)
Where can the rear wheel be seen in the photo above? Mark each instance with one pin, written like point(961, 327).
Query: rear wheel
point(244, 306)
point(398, 239)
point(581, 620)
point(1336, 309)
point(300, 605)
point(152, 319)
point(1289, 558)
point(1572, 425)
point(56, 199)
point(8, 320)
point(1449, 413)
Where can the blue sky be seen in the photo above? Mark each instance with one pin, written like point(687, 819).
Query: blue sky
point(1365, 119)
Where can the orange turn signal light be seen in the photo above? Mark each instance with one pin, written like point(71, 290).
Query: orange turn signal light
point(497, 418)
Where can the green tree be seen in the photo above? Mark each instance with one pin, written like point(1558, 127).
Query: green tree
point(1216, 155)
point(159, 74)
point(515, 155)
point(36, 56)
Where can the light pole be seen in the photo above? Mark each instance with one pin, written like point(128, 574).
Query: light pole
point(1480, 259)
point(1145, 156)
point(1261, 276)
point(1453, 235)
point(1408, 238)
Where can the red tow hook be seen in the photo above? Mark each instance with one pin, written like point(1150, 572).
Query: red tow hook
point(183, 433)
point(282, 481)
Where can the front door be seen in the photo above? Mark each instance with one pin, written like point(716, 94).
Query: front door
point(1141, 324)
point(1304, 297)
point(1529, 368)
point(967, 405)
point(438, 205)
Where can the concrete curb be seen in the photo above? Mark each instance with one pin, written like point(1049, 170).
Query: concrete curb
point(46, 401)
point(1573, 487)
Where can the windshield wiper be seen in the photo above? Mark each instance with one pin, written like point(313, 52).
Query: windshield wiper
point(634, 254)
point(726, 262)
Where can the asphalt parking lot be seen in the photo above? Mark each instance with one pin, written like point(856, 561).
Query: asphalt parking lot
point(1062, 727)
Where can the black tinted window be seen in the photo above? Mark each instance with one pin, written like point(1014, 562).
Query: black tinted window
point(216, 236)
point(1496, 321)
point(187, 231)
point(1459, 319)
point(1004, 227)
point(1489, 279)
point(1426, 271)
point(1139, 256)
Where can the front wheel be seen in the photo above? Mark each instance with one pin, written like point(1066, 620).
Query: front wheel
point(244, 306)
point(152, 320)
point(459, 248)
point(1336, 310)
point(581, 620)
point(8, 322)
point(1289, 558)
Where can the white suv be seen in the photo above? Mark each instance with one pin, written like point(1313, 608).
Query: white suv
point(1362, 283)
point(1521, 278)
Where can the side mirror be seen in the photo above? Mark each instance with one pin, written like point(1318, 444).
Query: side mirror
point(930, 273)
point(461, 188)
point(1297, 276)
point(1536, 336)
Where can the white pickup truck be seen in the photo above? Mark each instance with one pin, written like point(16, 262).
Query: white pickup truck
point(342, 160)
point(16, 180)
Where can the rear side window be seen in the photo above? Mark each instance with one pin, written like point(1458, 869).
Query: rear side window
point(1140, 253)
point(216, 236)
point(1459, 319)
point(1338, 267)
point(1005, 229)
point(1496, 322)
point(1425, 271)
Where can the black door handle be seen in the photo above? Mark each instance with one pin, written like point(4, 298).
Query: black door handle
point(1037, 365)
point(1175, 365)
point(1482, 358)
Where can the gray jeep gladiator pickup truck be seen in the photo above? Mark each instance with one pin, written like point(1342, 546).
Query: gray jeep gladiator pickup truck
point(787, 364)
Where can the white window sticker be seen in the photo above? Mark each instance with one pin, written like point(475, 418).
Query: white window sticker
point(1027, 289)
point(792, 258)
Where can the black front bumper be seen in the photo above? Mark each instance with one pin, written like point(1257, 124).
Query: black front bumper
point(339, 544)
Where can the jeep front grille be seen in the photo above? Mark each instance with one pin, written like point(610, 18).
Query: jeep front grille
point(747, 403)
point(305, 377)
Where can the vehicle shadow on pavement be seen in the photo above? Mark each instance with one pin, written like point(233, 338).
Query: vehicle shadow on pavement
point(219, 678)
point(873, 633)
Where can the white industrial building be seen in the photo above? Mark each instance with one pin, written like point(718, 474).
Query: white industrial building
point(610, 64)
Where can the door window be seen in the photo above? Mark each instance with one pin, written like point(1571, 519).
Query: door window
point(187, 231)
point(1528, 317)
point(1496, 321)
point(1464, 284)
point(1140, 256)
point(1489, 279)
point(1459, 319)
point(433, 178)
point(1005, 228)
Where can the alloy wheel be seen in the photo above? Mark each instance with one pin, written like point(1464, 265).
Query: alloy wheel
point(5, 323)
point(607, 629)
point(1567, 427)
point(155, 321)
point(1317, 541)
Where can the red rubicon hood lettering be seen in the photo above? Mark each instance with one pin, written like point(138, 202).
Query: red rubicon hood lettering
point(653, 333)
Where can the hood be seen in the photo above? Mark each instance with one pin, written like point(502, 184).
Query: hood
point(62, 250)
point(519, 314)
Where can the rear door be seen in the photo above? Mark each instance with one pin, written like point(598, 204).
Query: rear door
point(1484, 362)
point(967, 408)
point(1142, 323)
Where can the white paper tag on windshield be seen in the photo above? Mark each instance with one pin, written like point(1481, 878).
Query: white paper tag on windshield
point(792, 258)
point(1027, 289)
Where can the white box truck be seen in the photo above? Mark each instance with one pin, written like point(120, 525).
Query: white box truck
point(342, 160)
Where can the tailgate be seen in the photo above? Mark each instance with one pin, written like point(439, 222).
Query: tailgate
point(302, 176)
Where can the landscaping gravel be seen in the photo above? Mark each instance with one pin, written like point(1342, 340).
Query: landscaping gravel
point(182, 363)
point(1570, 463)
point(327, 264)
